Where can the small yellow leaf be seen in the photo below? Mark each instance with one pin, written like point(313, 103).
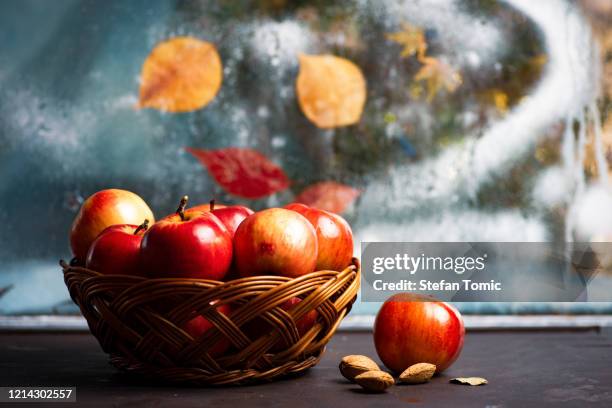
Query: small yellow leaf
point(415, 90)
point(538, 61)
point(469, 381)
point(331, 91)
point(413, 40)
point(496, 97)
point(180, 75)
point(389, 118)
point(500, 99)
point(437, 75)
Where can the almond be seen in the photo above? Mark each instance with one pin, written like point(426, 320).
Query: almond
point(375, 381)
point(353, 365)
point(418, 373)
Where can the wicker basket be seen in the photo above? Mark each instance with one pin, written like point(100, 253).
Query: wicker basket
point(138, 321)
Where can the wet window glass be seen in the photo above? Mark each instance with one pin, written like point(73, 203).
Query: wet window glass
point(447, 120)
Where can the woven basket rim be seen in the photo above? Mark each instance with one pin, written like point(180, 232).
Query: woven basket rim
point(66, 265)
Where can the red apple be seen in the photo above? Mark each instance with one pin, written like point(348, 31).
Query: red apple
point(275, 241)
point(197, 209)
point(187, 246)
point(116, 251)
point(101, 210)
point(334, 236)
point(408, 331)
point(199, 325)
point(305, 322)
point(258, 327)
point(205, 207)
point(230, 216)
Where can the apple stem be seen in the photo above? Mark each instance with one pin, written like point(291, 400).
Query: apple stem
point(211, 205)
point(181, 208)
point(142, 227)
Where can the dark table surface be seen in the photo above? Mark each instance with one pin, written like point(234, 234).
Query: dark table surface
point(547, 368)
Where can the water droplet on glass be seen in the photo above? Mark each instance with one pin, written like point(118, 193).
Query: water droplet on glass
point(72, 200)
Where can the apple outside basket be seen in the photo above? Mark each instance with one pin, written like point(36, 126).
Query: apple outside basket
point(138, 321)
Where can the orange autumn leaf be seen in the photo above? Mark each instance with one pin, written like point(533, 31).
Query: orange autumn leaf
point(180, 75)
point(331, 91)
point(413, 40)
point(328, 196)
point(438, 75)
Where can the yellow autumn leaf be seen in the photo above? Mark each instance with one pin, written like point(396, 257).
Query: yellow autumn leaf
point(331, 91)
point(415, 90)
point(413, 40)
point(437, 75)
point(500, 100)
point(495, 97)
point(180, 75)
point(538, 61)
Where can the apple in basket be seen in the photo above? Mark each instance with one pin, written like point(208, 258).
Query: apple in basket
point(187, 245)
point(305, 322)
point(204, 207)
point(116, 251)
point(199, 325)
point(409, 329)
point(259, 327)
point(334, 236)
point(101, 210)
point(231, 216)
point(197, 209)
point(275, 241)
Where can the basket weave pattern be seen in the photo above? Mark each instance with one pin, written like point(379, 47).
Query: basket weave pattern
point(138, 321)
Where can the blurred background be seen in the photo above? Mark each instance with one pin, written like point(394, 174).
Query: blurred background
point(484, 120)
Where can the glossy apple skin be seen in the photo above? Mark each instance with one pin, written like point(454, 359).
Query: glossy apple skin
point(232, 216)
point(275, 241)
point(199, 325)
point(408, 332)
point(334, 237)
point(199, 248)
point(101, 210)
point(116, 251)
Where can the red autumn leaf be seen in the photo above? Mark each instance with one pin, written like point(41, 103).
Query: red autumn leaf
point(242, 172)
point(328, 196)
